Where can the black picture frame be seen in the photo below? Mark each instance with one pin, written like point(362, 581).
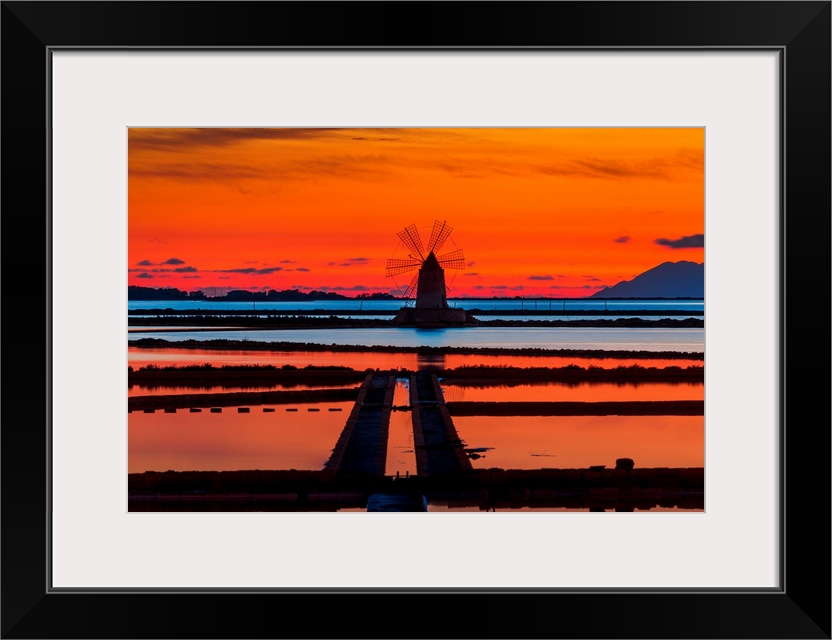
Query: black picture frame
point(800, 608)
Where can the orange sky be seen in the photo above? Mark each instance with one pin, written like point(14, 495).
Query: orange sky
point(537, 211)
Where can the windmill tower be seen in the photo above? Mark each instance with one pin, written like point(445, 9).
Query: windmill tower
point(429, 281)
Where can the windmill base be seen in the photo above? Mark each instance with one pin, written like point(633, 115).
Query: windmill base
point(434, 317)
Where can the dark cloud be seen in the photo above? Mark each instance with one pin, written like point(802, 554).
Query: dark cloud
point(592, 278)
point(541, 277)
point(473, 273)
point(331, 264)
point(163, 139)
point(198, 171)
point(380, 139)
point(288, 261)
point(609, 168)
point(691, 159)
point(301, 269)
point(478, 287)
point(358, 259)
point(695, 241)
point(170, 261)
point(218, 169)
point(144, 275)
point(470, 264)
point(622, 240)
point(251, 271)
point(177, 270)
point(189, 277)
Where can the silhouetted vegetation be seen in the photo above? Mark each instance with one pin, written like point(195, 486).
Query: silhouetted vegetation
point(255, 345)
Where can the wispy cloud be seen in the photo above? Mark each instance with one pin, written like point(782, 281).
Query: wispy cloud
point(161, 139)
point(607, 168)
point(250, 270)
point(350, 262)
point(541, 277)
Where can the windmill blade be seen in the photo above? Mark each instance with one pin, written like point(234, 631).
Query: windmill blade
point(395, 267)
point(452, 260)
point(411, 239)
point(438, 235)
point(411, 287)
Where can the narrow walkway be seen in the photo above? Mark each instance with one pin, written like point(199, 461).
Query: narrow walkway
point(362, 446)
point(439, 450)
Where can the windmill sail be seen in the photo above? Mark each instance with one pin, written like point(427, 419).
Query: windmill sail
point(438, 235)
point(396, 266)
point(410, 237)
point(452, 260)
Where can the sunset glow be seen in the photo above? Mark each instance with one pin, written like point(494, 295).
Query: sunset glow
point(543, 212)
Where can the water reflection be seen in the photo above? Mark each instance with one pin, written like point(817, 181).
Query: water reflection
point(581, 392)
point(401, 455)
point(578, 442)
point(361, 361)
point(140, 389)
point(229, 440)
point(610, 338)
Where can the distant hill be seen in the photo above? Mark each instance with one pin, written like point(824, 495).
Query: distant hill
point(669, 280)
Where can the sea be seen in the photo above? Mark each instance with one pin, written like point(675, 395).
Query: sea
point(683, 339)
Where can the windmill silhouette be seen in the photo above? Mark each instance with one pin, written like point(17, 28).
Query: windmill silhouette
point(429, 281)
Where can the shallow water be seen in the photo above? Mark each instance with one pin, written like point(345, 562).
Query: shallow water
point(614, 339)
point(360, 361)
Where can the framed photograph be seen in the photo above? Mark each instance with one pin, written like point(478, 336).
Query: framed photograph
point(560, 242)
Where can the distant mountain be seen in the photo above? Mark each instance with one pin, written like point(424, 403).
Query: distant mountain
point(669, 280)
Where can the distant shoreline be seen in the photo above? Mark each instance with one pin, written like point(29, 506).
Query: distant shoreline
point(168, 311)
point(305, 322)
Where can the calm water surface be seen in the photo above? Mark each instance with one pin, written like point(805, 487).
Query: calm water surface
point(360, 361)
point(304, 439)
point(617, 339)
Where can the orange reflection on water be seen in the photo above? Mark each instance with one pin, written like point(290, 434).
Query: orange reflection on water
point(573, 442)
point(231, 441)
point(583, 392)
point(376, 360)
point(137, 390)
point(401, 456)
